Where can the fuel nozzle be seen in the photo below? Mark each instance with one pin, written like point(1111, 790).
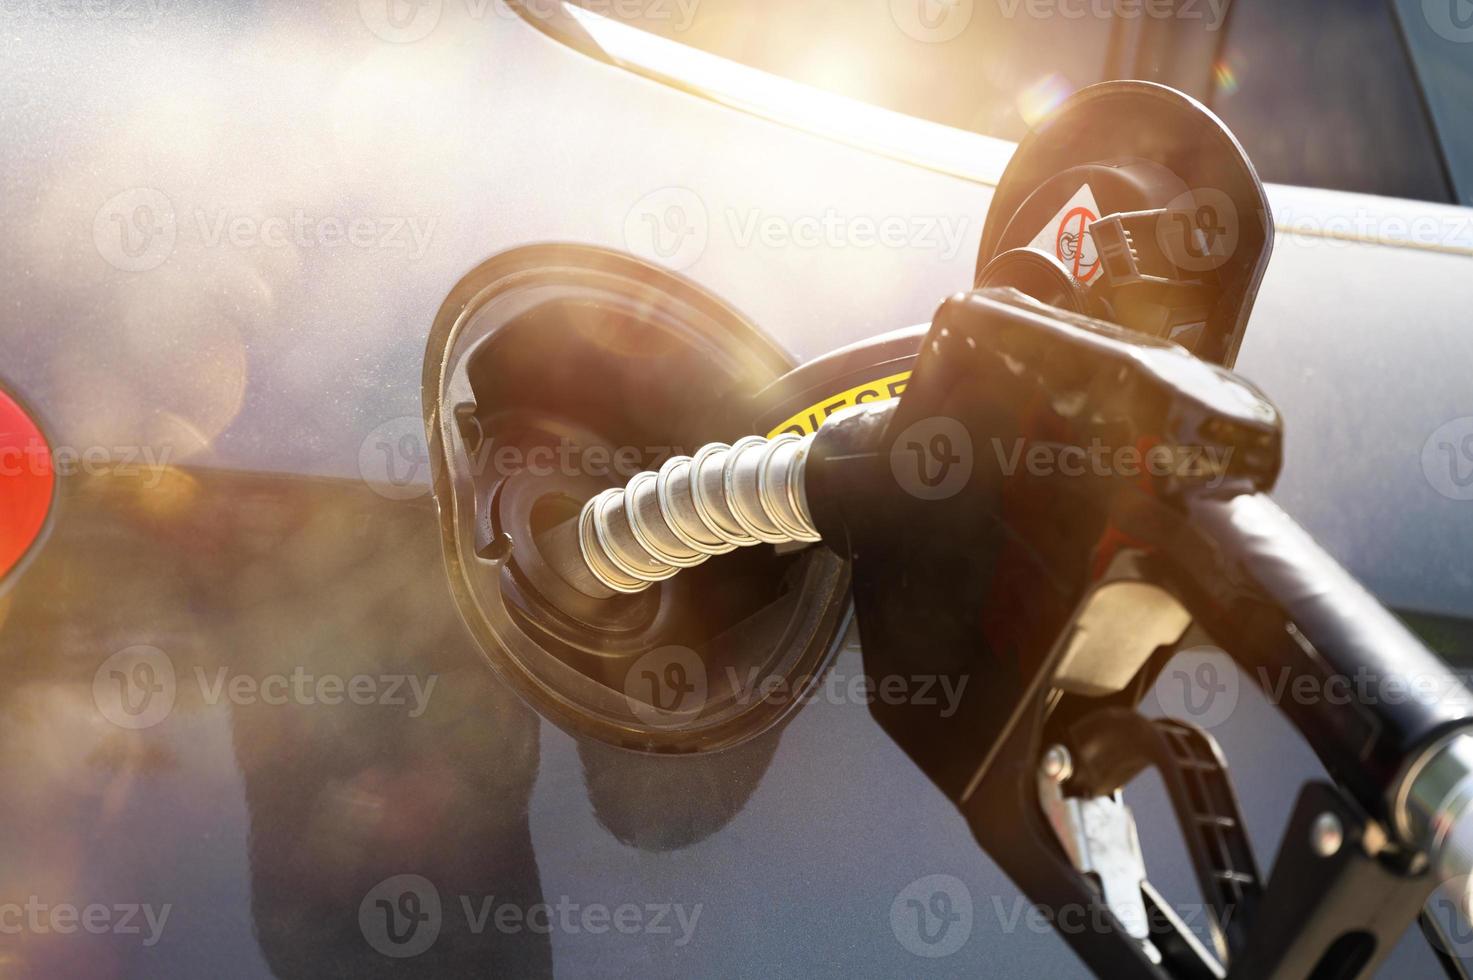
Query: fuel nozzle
point(1436, 812)
point(722, 498)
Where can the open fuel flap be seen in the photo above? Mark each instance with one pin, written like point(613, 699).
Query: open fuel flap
point(554, 372)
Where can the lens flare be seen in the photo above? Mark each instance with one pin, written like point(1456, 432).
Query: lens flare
point(1042, 97)
point(1225, 77)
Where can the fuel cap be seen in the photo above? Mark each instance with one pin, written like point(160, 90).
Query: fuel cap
point(557, 372)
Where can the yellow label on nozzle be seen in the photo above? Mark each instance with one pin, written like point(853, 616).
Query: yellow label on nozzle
point(808, 420)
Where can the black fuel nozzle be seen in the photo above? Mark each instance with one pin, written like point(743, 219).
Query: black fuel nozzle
point(1038, 522)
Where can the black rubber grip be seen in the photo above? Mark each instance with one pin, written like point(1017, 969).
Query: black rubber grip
point(1366, 693)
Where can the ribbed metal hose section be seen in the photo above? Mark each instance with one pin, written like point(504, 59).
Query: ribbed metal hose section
point(725, 496)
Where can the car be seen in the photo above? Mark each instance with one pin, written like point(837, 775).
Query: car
point(248, 727)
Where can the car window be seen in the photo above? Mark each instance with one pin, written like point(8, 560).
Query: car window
point(1439, 34)
point(1321, 92)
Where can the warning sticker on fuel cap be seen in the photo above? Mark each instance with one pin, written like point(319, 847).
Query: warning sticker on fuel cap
point(1067, 236)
